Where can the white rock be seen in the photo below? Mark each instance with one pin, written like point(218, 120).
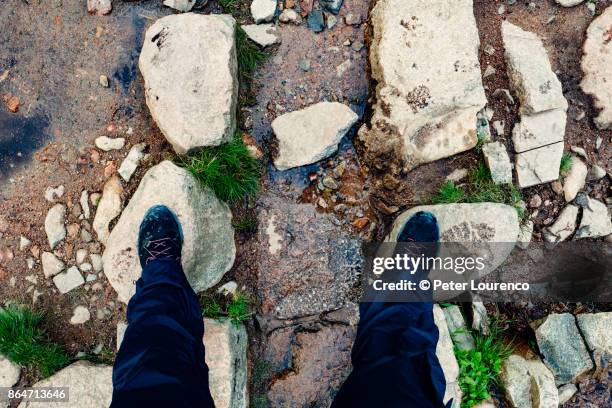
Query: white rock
point(180, 5)
point(54, 194)
point(525, 235)
point(109, 208)
point(107, 144)
point(263, 10)
point(30, 262)
point(530, 73)
point(495, 227)
point(457, 175)
point(96, 262)
point(596, 172)
point(85, 236)
point(566, 392)
point(9, 372)
point(580, 152)
point(130, 163)
point(226, 357)
point(85, 204)
point(262, 34)
point(66, 281)
point(575, 179)
point(90, 386)
point(188, 62)
point(205, 220)
point(595, 328)
point(99, 7)
point(51, 265)
point(311, 134)
point(539, 129)
point(568, 3)
point(81, 255)
point(446, 356)
point(121, 328)
point(429, 88)
point(597, 67)
point(529, 384)
point(228, 288)
point(54, 225)
point(289, 16)
point(24, 243)
point(564, 226)
point(595, 220)
point(91, 277)
point(461, 336)
point(498, 161)
point(85, 267)
point(480, 319)
point(80, 315)
point(539, 165)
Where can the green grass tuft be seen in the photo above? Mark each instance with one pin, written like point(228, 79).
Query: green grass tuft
point(480, 189)
point(448, 193)
point(566, 164)
point(235, 308)
point(229, 170)
point(479, 369)
point(24, 341)
point(229, 6)
point(249, 55)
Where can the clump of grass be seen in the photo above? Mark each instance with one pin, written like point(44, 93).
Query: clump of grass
point(479, 368)
point(480, 189)
point(228, 169)
point(566, 164)
point(248, 53)
point(25, 342)
point(236, 308)
point(448, 193)
point(229, 6)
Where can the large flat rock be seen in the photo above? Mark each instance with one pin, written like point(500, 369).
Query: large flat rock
point(597, 67)
point(530, 72)
point(188, 62)
point(429, 82)
point(563, 349)
point(306, 265)
point(529, 383)
point(208, 248)
point(226, 357)
point(539, 129)
point(539, 165)
point(89, 386)
point(311, 134)
point(490, 230)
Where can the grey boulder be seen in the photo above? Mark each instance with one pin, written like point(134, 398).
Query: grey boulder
point(208, 248)
point(188, 62)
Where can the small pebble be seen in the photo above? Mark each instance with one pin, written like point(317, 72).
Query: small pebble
point(104, 81)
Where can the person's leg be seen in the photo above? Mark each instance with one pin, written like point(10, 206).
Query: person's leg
point(161, 359)
point(394, 353)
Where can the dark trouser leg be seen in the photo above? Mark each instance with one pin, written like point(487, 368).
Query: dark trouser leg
point(161, 359)
point(394, 359)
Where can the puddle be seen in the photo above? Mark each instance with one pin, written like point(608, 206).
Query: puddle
point(19, 138)
point(128, 69)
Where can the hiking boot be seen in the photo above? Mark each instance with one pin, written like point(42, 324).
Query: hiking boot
point(421, 227)
point(160, 236)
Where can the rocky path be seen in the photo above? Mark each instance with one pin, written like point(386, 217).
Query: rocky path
point(360, 112)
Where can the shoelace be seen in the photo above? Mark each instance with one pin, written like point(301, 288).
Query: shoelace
point(158, 248)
